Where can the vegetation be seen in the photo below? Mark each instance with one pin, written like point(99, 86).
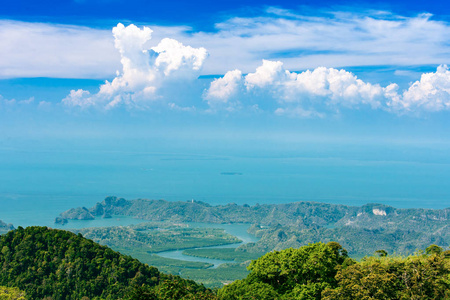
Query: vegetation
point(324, 271)
point(361, 230)
point(142, 240)
point(230, 254)
point(290, 274)
point(155, 239)
point(214, 277)
point(57, 264)
point(42, 263)
point(163, 262)
point(7, 293)
point(358, 241)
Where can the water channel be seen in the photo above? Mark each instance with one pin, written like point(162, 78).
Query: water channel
point(238, 230)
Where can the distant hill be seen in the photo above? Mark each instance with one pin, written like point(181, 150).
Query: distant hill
point(5, 227)
point(308, 213)
point(57, 264)
point(361, 230)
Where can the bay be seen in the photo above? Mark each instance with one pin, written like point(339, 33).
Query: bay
point(37, 185)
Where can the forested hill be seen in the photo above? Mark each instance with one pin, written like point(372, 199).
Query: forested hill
point(56, 264)
point(324, 272)
point(322, 214)
point(361, 230)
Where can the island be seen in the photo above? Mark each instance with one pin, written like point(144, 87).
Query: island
point(362, 230)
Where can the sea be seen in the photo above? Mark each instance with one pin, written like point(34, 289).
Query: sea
point(37, 184)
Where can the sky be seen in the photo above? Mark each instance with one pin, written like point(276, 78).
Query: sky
point(229, 75)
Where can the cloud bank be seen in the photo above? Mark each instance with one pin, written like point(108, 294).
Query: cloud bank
point(151, 74)
point(53, 50)
point(144, 70)
point(313, 93)
point(302, 40)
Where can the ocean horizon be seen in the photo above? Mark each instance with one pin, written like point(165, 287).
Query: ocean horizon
point(37, 185)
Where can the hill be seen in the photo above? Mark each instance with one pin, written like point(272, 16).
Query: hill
point(5, 227)
point(57, 264)
point(361, 230)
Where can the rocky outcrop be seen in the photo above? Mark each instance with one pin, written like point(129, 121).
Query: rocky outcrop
point(61, 221)
point(5, 227)
point(79, 213)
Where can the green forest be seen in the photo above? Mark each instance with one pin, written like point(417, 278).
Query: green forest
point(361, 230)
point(43, 263)
point(56, 264)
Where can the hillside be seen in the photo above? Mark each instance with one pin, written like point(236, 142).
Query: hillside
point(59, 264)
point(324, 272)
point(361, 230)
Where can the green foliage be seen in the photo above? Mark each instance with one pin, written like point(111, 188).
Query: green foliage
point(171, 290)
point(213, 277)
point(7, 293)
point(433, 249)
point(291, 274)
point(324, 272)
point(223, 254)
point(153, 239)
point(163, 262)
point(245, 290)
point(381, 253)
point(315, 263)
point(358, 240)
point(414, 277)
point(62, 265)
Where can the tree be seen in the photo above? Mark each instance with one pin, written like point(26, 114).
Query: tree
point(293, 273)
point(8, 293)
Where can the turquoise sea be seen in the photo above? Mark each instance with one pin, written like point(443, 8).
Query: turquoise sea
point(37, 183)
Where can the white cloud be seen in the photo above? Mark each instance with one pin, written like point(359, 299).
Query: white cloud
point(173, 56)
point(327, 86)
point(13, 103)
point(222, 89)
point(336, 87)
point(144, 71)
point(430, 93)
point(176, 107)
point(49, 50)
point(302, 41)
point(313, 93)
point(269, 73)
point(332, 39)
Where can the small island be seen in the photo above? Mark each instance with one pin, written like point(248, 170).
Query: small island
point(231, 173)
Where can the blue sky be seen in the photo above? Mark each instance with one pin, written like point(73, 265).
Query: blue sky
point(275, 70)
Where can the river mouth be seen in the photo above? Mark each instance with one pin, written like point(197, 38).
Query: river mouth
point(237, 230)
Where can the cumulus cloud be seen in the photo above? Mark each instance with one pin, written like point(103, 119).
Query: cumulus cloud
point(269, 73)
point(329, 89)
point(430, 93)
point(144, 70)
point(173, 56)
point(224, 88)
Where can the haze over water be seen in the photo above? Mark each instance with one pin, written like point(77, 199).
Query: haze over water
point(38, 183)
